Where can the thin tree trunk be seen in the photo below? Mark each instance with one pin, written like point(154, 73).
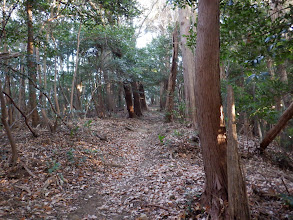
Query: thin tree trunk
point(75, 70)
point(55, 79)
point(136, 99)
point(7, 128)
point(172, 78)
point(128, 100)
point(211, 130)
point(237, 196)
point(163, 91)
point(270, 136)
point(31, 65)
point(41, 96)
point(21, 96)
point(143, 103)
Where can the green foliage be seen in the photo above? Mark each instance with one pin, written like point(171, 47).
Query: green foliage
point(288, 200)
point(74, 130)
point(88, 123)
point(53, 166)
point(70, 155)
point(177, 133)
point(161, 138)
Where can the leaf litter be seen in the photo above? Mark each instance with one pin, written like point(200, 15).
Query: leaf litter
point(118, 168)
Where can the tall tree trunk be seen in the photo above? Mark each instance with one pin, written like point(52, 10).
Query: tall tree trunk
point(136, 99)
point(270, 136)
point(55, 77)
point(143, 103)
point(41, 96)
point(75, 69)
point(172, 78)
point(7, 128)
point(185, 19)
point(208, 102)
point(237, 196)
point(128, 100)
point(21, 95)
point(31, 64)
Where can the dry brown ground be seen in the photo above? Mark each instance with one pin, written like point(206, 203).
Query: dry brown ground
point(118, 168)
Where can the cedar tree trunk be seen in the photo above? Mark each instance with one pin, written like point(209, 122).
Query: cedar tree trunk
point(208, 102)
point(237, 196)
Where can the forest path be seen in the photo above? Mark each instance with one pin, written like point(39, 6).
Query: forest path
point(117, 168)
point(145, 181)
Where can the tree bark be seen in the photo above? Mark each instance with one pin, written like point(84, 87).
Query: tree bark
point(31, 65)
point(75, 69)
point(109, 92)
point(270, 136)
point(163, 89)
point(208, 102)
point(21, 95)
point(41, 96)
point(128, 100)
point(7, 128)
point(237, 196)
point(136, 99)
point(185, 18)
point(172, 78)
point(143, 103)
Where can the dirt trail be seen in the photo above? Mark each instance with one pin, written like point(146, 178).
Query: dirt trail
point(119, 168)
point(149, 182)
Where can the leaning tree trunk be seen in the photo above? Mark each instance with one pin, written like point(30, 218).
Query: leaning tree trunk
point(172, 78)
point(270, 136)
point(136, 99)
point(143, 103)
point(209, 114)
point(31, 65)
point(128, 100)
point(237, 196)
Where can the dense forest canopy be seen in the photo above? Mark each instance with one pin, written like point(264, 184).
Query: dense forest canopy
point(66, 60)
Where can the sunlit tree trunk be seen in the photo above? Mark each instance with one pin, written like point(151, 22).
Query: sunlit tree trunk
point(185, 19)
point(128, 100)
point(172, 78)
point(209, 114)
point(237, 196)
point(31, 65)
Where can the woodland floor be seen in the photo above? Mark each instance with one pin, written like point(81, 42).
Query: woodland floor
point(118, 168)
